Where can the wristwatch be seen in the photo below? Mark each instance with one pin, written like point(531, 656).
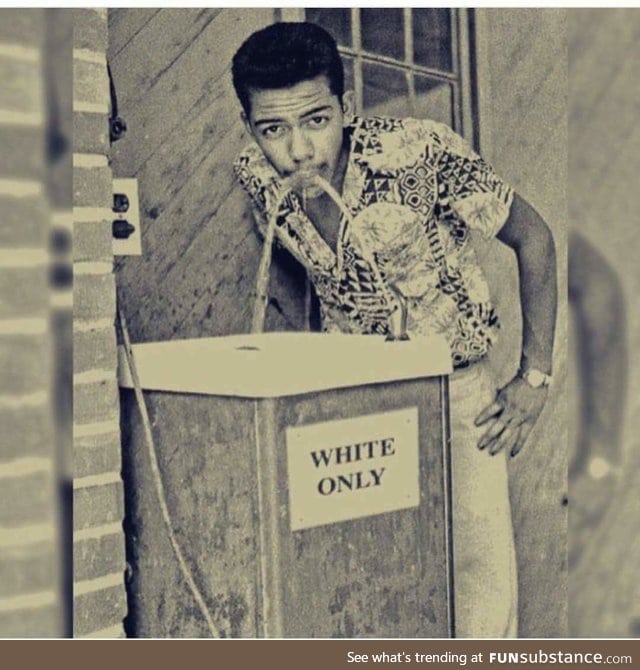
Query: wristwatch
point(536, 378)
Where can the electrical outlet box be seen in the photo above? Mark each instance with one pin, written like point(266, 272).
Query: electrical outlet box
point(132, 245)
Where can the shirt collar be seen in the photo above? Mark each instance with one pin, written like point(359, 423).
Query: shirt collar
point(365, 140)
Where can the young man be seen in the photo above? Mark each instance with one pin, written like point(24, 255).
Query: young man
point(412, 193)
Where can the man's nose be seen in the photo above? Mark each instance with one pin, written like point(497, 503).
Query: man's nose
point(301, 148)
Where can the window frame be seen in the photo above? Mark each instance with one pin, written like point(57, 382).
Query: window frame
point(460, 79)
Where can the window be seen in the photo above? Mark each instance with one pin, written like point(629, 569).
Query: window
point(403, 62)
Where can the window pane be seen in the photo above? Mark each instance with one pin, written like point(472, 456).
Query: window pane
point(336, 21)
point(432, 38)
point(434, 100)
point(384, 91)
point(348, 73)
point(383, 32)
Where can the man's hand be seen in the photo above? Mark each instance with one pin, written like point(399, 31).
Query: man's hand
point(511, 416)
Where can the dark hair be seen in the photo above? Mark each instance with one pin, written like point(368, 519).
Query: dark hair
point(285, 54)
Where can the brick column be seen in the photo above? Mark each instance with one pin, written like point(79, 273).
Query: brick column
point(29, 579)
point(99, 550)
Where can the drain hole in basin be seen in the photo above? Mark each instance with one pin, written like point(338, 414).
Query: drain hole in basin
point(247, 347)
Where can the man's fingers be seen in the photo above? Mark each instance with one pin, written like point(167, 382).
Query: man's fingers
point(491, 410)
point(496, 427)
point(507, 439)
point(525, 429)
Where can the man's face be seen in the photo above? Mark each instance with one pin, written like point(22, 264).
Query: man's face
point(300, 129)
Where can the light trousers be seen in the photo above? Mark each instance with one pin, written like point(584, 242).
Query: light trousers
point(485, 577)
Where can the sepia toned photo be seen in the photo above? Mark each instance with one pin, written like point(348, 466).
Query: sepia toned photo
point(319, 323)
point(342, 360)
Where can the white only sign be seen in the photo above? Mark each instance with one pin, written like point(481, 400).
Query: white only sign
point(353, 468)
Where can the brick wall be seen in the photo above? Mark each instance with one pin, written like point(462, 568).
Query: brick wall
point(29, 579)
point(98, 539)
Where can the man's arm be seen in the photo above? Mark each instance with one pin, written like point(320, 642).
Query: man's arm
point(510, 418)
point(526, 232)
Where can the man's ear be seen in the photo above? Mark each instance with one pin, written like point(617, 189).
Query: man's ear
point(348, 107)
point(245, 120)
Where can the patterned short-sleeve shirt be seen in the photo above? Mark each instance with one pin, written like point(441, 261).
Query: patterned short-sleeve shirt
point(414, 190)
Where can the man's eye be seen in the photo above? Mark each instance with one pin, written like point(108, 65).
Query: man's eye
point(318, 121)
point(272, 132)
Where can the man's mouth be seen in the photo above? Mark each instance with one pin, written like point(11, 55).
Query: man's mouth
point(303, 179)
point(307, 175)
